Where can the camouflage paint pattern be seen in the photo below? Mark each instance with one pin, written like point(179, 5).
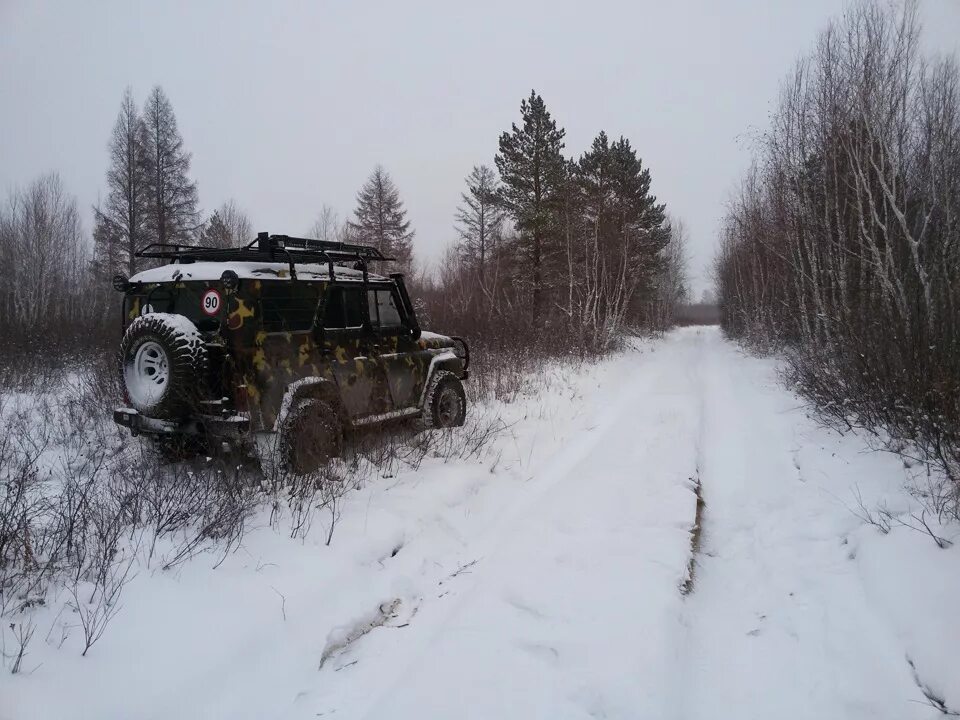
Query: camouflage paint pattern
point(366, 372)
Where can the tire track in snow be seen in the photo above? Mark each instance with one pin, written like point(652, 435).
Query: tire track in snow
point(778, 624)
point(695, 376)
point(569, 611)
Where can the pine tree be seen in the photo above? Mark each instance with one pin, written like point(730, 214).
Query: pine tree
point(172, 208)
point(119, 224)
point(381, 219)
point(639, 222)
point(533, 172)
point(594, 174)
point(479, 218)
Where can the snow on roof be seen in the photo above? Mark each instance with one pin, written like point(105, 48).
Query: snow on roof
point(176, 272)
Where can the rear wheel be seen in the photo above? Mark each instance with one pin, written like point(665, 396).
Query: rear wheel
point(446, 403)
point(312, 434)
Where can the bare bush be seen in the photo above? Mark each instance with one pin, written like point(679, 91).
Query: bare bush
point(41, 237)
point(842, 246)
point(24, 509)
point(218, 509)
point(22, 635)
point(95, 611)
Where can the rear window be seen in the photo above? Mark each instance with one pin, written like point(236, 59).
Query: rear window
point(288, 306)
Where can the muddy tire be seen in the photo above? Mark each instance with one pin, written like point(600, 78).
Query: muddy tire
point(312, 434)
point(163, 363)
point(445, 404)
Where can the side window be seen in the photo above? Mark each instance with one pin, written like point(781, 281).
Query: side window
point(383, 309)
point(287, 305)
point(344, 308)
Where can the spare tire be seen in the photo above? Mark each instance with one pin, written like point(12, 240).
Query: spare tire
point(163, 362)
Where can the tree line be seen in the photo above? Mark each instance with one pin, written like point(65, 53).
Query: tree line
point(842, 246)
point(549, 249)
point(559, 253)
point(56, 296)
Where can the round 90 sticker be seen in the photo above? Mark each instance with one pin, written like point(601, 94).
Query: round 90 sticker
point(210, 302)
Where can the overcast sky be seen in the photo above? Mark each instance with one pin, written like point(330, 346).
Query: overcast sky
point(286, 106)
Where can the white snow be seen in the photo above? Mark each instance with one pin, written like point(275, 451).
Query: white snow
point(427, 335)
point(176, 272)
point(182, 325)
point(543, 580)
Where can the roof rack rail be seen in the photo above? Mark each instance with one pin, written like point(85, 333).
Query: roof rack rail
point(274, 248)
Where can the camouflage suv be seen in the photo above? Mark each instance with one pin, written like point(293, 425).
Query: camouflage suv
point(286, 338)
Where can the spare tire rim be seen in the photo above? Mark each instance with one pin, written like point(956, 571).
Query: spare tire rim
point(148, 375)
point(448, 407)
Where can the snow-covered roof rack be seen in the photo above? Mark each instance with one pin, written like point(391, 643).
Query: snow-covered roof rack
point(274, 248)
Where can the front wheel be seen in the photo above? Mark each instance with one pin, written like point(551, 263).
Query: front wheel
point(445, 404)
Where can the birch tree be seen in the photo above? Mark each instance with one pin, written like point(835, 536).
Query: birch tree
point(843, 245)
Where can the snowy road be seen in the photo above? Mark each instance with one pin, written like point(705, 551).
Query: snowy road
point(571, 611)
point(779, 624)
point(545, 581)
point(575, 610)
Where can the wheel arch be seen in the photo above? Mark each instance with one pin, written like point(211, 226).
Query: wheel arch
point(316, 387)
point(445, 360)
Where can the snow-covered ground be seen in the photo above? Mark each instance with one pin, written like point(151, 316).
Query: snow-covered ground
point(545, 580)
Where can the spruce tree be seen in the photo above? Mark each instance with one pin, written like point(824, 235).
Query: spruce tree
point(380, 219)
point(119, 224)
point(479, 218)
point(533, 173)
point(172, 197)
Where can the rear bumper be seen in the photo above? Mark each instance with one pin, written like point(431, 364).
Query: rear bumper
point(215, 425)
